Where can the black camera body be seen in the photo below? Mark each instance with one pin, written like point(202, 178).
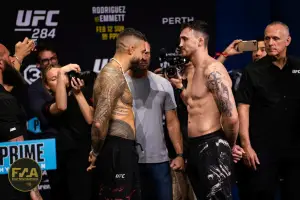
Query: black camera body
point(174, 63)
point(73, 74)
point(88, 77)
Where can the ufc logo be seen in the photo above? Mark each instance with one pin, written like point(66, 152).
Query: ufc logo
point(32, 18)
point(296, 71)
point(120, 176)
point(99, 64)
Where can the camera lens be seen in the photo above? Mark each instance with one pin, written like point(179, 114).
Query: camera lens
point(171, 72)
point(73, 74)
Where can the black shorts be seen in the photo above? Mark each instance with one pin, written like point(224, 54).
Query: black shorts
point(210, 165)
point(117, 170)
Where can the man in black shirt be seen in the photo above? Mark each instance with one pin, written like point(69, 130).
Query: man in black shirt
point(12, 116)
point(269, 110)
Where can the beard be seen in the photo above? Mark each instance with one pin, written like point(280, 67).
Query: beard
point(139, 66)
point(11, 76)
point(134, 63)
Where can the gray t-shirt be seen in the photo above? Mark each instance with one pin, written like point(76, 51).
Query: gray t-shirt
point(152, 96)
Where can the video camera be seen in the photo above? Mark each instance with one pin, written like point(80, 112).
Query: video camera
point(174, 62)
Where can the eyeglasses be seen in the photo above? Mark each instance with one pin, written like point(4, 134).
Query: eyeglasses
point(47, 61)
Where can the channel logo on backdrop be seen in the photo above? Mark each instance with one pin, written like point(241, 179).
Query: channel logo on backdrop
point(109, 21)
point(176, 20)
point(41, 23)
point(99, 64)
point(31, 74)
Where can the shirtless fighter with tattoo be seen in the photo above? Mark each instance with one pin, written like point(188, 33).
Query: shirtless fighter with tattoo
point(113, 129)
point(212, 117)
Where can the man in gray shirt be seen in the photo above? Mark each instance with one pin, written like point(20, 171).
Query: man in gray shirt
point(154, 97)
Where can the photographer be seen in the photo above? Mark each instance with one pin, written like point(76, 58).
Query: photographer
point(182, 189)
point(71, 114)
point(231, 50)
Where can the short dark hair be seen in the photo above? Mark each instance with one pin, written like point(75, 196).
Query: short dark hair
point(132, 32)
point(200, 26)
point(129, 32)
point(44, 46)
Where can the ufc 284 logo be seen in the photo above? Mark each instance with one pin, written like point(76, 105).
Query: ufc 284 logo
point(41, 23)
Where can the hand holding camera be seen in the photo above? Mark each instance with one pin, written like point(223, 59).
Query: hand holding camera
point(72, 72)
point(76, 84)
point(71, 67)
point(231, 49)
point(172, 63)
point(176, 82)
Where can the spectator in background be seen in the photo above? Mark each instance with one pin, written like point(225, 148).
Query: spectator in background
point(38, 94)
point(153, 96)
point(231, 50)
point(236, 74)
point(182, 189)
point(12, 114)
point(269, 110)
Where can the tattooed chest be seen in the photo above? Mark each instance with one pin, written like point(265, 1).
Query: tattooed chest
point(126, 97)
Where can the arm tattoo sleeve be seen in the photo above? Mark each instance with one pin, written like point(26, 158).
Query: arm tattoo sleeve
point(108, 87)
point(220, 92)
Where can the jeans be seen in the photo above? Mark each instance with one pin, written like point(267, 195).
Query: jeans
point(156, 181)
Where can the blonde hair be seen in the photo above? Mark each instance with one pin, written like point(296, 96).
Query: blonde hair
point(46, 70)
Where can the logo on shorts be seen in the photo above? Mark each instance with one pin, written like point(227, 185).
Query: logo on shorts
point(296, 71)
point(120, 176)
point(25, 174)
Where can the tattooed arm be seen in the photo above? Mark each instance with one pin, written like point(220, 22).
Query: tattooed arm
point(219, 84)
point(108, 88)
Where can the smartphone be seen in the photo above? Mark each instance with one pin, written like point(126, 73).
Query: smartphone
point(250, 45)
point(35, 41)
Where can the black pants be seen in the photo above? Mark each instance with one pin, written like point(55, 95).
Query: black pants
point(117, 170)
point(263, 184)
point(71, 180)
point(209, 166)
point(8, 192)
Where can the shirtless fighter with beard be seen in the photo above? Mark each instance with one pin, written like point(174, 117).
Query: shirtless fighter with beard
point(113, 129)
point(212, 117)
